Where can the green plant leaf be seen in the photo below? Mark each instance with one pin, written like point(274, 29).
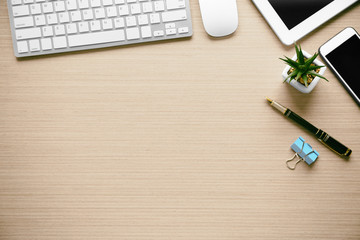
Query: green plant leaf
point(315, 67)
point(298, 75)
point(297, 51)
point(309, 61)
point(290, 62)
point(299, 54)
point(290, 75)
point(318, 75)
point(294, 73)
point(305, 78)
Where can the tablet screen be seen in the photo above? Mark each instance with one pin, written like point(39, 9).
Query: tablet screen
point(293, 12)
point(345, 60)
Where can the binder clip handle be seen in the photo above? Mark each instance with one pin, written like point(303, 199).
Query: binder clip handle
point(291, 159)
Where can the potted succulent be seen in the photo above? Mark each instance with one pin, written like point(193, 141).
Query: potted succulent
point(305, 69)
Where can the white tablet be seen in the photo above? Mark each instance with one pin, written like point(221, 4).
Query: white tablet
point(293, 19)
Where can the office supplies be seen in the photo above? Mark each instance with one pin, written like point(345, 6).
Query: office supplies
point(322, 136)
point(304, 152)
point(220, 17)
point(292, 20)
point(45, 26)
point(342, 54)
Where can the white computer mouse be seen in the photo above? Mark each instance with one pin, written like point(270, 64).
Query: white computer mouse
point(220, 17)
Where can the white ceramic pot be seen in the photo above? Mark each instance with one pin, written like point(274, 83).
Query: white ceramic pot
point(298, 85)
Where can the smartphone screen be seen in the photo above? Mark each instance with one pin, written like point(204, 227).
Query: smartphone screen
point(346, 61)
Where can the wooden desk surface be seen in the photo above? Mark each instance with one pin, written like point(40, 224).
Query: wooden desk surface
point(173, 140)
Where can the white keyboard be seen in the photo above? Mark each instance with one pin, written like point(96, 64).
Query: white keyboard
point(52, 26)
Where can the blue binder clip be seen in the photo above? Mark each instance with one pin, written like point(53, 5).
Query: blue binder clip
point(304, 152)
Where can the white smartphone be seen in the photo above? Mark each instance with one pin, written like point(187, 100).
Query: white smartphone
point(342, 55)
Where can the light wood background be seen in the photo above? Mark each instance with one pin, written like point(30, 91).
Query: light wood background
point(173, 140)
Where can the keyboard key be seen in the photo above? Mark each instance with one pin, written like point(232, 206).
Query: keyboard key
point(47, 31)
point(22, 47)
point(46, 44)
point(64, 17)
point(71, 28)
point(96, 38)
point(130, 21)
point(183, 30)
point(174, 16)
point(88, 14)
point(75, 16)
point(40, 20)
point(170, 25)
point(34, 45)
point(119, 22)
point(123, 10)
point(135, 8)
point(99, 13)
point(146, 32)
point(95, 25)
point(95, 3)
point(159, 6)
point(59, 30)
point(158, 33)
point(47, 7)
point(52, 18)
point(28, 1)
point(143, 20)
point(71, 4)
point(107, 2)
point(107, 24)
point(59, 6)
point(35, 9)
point(83, 27)
point(22, 10)
point(22, 22)
point(15, 2)
point(111, 12)
point(170, 31)
point(154, 18)
point(175, 4)
point(83, 4)
point(60, 42)
point(147, 7)
point(28, 33)
point(132, 33)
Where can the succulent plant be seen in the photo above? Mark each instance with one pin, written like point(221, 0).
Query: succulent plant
point(302, 68)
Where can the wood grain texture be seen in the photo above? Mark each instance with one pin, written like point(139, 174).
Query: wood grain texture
point(173, 140)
